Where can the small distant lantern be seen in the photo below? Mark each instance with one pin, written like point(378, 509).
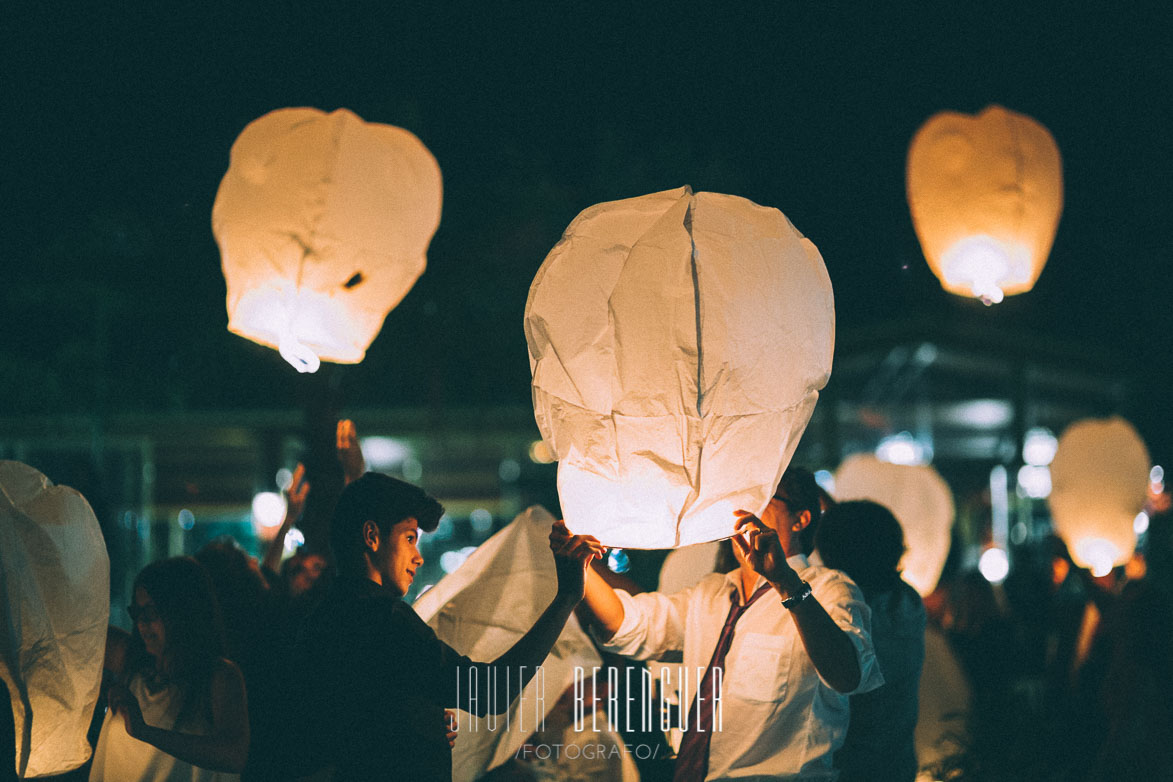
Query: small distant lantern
point(323, 223)
point(1099, 483)
point(678, 342)
point(55, 577)
point(985, 194)
point(920, 500)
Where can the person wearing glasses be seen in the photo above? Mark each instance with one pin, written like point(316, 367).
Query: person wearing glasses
point(179, 710)
point(782, 644)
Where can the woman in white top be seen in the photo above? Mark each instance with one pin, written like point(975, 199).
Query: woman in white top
point(179, 711)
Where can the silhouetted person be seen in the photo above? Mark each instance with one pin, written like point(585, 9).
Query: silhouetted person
point(377, 677)
point(865, 541)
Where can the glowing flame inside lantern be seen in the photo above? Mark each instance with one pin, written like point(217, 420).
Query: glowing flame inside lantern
point(1097, 554)
point(986, 266)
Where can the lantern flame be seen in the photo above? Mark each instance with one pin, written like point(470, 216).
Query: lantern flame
point(1096, 554)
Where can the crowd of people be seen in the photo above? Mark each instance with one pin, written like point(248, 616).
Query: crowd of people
point(807, 631)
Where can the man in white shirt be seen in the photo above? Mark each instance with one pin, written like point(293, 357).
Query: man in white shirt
point(792, 641)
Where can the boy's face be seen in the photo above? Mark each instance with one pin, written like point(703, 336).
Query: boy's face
point(398, 556)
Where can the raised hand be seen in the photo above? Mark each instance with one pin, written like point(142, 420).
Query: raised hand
point(572, 556)
point(761, 548)
point(299, 489)
point(349, 454)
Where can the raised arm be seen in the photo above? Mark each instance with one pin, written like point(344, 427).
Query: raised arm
point(224, 748)
point(604, 608)
point(828, 646)
point(295, 496)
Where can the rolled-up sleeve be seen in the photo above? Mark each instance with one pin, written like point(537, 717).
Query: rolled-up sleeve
point(653, 625)
point(844, 603)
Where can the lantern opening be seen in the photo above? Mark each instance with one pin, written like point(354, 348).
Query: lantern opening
point(1096, 554)
point(986, 265)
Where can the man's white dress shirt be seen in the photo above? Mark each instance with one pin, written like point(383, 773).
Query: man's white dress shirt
point(779, 719)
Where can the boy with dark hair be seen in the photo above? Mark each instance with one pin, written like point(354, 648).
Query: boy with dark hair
point(380, 679)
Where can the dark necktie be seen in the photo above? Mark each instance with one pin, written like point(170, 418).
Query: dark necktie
point(692, 762)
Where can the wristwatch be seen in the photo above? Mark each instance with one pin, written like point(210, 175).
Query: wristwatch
point(803, 593)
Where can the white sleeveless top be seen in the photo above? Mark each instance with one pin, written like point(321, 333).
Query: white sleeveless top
point(121, 758)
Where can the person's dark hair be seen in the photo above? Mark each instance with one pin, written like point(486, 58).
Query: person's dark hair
point(864, 540)
point(802, 493)
point(241, 592)
point(383, 500)
point(194, 635)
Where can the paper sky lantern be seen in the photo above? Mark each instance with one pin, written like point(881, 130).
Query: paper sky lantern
point(323, 222)
point(985, 194)
point(678, 342)
point(55, 579)
point(1099, 482)
point(920, 500)
point(482, 609)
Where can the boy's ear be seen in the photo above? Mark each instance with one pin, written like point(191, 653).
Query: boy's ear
point(370, 535)
point(804, 520)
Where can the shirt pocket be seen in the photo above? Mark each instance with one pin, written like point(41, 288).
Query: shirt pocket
point(761, 668)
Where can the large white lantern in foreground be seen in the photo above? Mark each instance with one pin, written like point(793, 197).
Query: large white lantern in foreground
point(1099, 482)
point(678, 342)
point(985, 194)
point(55, 579)
point(323, 222)
point(920, 500)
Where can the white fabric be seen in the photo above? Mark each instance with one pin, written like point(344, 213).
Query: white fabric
point(780, 719)
point(121, 758)
point(678, 343)
point(921, 501)
point(54, 610)
point(483, 608)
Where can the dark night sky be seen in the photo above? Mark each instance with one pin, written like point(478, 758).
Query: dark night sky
point(118, 125)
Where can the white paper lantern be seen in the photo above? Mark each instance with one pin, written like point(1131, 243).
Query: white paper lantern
point(323, 222)
point(920, 500)
point(55, 578)
point(678, 343)
point(985, 194)
point(1099, 482)
point(484, 607)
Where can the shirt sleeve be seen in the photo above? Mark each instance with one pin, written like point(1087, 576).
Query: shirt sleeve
point(653, 625)
point(844, 603)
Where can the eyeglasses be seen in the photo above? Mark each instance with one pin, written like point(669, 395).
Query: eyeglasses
point(143, 613)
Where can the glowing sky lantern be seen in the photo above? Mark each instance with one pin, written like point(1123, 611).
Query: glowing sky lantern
point(55, 578)
point(985, 194)
point(323, 222)
point(920, 500)
point(1099, 482)
point(678, 342)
